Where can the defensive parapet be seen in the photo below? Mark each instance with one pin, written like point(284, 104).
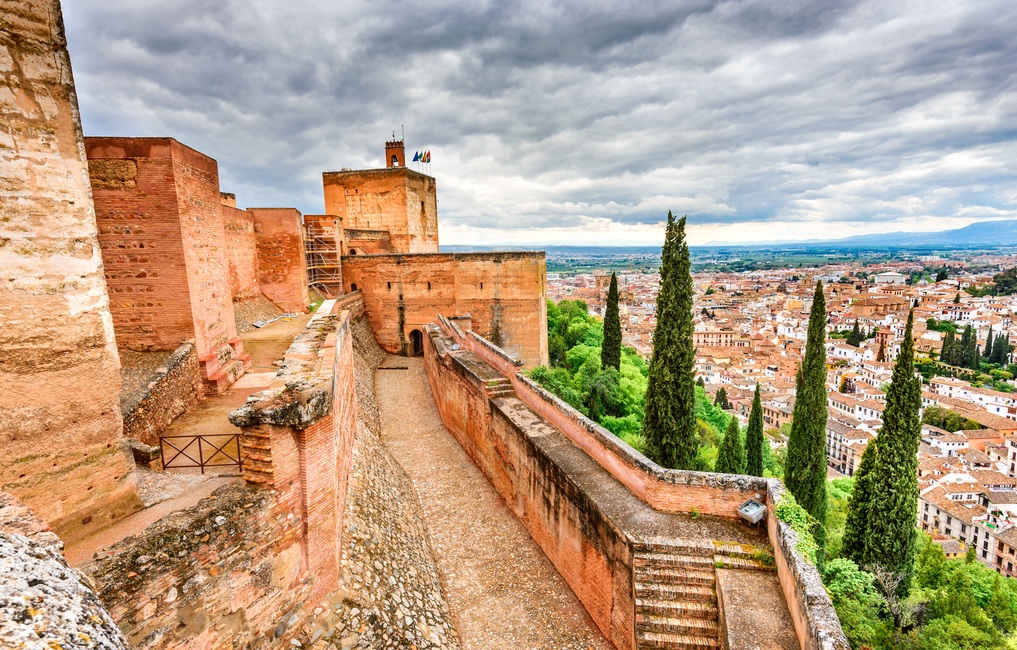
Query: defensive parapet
point(613, 522)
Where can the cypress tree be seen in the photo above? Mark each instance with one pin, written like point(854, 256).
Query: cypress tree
point(988, 346)
point(731, 456)
point(669, 426)
point(946, 354)
point(855, 337)
point(720, 399)
point(805, 469)
point(976, 359)
point(610, 349)
point(893, 480)
point(856, 528)
point(969, 346)
point(700, 382)
point(754, 438)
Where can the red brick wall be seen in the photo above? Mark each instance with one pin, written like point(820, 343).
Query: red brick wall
point(161, 227)
point(282, 268)
point(241, 252)
point(138, 215)
point(460, 402)
point(504, 292)
point(197, 185)
point(300, 442)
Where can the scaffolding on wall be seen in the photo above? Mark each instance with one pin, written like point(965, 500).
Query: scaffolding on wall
point(324, 268)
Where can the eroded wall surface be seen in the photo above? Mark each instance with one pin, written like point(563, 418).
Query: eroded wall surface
point(282, 264)
point(241, 252)
point(398, 200)
point(60, 423)
point(503, 292)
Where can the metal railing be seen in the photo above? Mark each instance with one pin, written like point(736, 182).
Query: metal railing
point(201, 451)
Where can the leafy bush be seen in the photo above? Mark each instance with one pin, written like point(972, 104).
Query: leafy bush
point(788, 511)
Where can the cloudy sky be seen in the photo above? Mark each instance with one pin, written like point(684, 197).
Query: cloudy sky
point(583, 122)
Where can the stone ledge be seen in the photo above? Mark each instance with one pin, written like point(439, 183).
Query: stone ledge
point(302, 391)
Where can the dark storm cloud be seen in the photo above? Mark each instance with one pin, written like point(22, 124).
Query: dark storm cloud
point(587, 119)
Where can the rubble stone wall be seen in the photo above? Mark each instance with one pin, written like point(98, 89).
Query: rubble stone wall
point(43, 602)
point(503, 292)
point(60, 423)
point(172, 390)
point(228, 572)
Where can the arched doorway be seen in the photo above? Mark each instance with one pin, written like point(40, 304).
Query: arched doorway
point(416, 343)
point(353, 287)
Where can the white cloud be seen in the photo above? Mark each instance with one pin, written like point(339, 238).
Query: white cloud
point(579, 122)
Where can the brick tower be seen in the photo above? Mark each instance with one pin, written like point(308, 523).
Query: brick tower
point(395, 153)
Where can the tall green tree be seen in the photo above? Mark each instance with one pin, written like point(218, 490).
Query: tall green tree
point(856, 527)
point(855, 338)
point(893, 480)
point(754, 438)
point(669, 426)
point(988, 346)
point(610, 349)
point(947, 352)
point(805, 468)
point(1005, 283)
point(720, 399)
point(731, 456)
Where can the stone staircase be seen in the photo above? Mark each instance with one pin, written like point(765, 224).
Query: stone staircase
point(223, 366)
point(499, 387)
point(676, 591)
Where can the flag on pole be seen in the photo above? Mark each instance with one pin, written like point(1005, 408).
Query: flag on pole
point(416, 156)
point(427, 157)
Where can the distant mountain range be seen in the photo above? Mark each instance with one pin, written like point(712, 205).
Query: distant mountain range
point(990, 233)
point(983, 233)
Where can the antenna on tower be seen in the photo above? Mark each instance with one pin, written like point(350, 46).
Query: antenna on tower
point(403, 127)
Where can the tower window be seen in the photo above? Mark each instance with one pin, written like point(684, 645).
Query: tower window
point(395, 160)
point(389, 286)
point(428, 286)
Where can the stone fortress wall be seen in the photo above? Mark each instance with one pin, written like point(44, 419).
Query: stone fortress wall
point(60, 423)
point(504, 293)
point(592, 528)
point(158, 209)
point(398, 201)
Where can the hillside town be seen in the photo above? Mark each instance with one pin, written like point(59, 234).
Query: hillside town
point(750, 329)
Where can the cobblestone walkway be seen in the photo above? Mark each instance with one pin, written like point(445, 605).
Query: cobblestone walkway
point(502, 590)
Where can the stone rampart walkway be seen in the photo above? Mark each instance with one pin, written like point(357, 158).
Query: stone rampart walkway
point(502, 590)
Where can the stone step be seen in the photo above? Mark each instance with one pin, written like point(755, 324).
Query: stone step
point(697, 593)
point(665, 641)
point(677, 609)
point(734, 549)
point(743, 563)
point(691, 626)
point(675, 547)
point(672, 560)
point(675, 575)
